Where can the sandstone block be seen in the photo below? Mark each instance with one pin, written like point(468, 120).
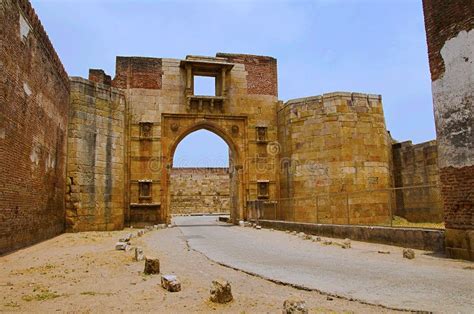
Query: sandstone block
point(152, 266)
point(126, 238)
point(221, 291)
point(408, 253)
point(122, 246)
point(346, 244)
point(139, 256)
point(294, 307)
point(170, 283)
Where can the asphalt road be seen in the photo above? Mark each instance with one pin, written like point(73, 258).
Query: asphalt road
point(427, 282)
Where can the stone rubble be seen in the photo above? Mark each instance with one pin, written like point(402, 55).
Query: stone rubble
point(294, 307)
point(139, 255)
point(221, 291)
point(122, 246)
point(170, 283)
point(152, 266)
point(346, 244)
point(408, 253)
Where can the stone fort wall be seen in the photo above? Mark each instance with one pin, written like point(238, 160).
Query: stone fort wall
point(95, 190)
point(34, 101)
point(335, 162)
point(199, 190)
point(416, 181)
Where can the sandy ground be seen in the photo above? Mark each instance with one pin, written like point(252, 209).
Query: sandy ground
point(83, 273)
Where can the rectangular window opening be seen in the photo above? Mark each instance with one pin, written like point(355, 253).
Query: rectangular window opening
point(204, 85)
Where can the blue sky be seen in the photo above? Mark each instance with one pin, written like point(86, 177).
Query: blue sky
point(371, 46)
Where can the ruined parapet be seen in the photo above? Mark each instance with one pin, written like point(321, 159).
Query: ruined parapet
point(335, 148)
point(96, 157)
point(450, 36)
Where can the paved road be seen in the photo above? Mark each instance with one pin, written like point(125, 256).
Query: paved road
point(425, 283)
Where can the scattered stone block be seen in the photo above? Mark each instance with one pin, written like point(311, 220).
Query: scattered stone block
point(308, 237)
point(170, 283)
point(161, 226)
point(221, 291)
point(294, 307)
point(258, 227)
point(302, 235)
point(408, 253)
point(152, 266)
point(139, 256)
point(126, 238)
point(122, 246)
point(346, 244)
point(316, 239)
point(293, 232)
point(383, 252)
point(241, 223)
point(327, 242)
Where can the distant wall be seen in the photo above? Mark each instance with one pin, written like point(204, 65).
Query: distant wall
point(199, 190)
point(416, 181)
point(34, 100)
point(334, 159)
point(96, 157)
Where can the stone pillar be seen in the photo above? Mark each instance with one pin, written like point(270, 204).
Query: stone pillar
point(450, 40)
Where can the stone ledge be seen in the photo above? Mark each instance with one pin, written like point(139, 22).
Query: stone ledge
point(415, 238)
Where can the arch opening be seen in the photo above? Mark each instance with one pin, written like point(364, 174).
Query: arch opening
point(200, 176)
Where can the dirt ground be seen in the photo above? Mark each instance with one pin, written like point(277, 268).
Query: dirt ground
point(83, 273)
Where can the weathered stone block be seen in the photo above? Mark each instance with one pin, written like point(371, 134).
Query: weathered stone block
point(294, 307)
point(139, 256)
point(408, 253)
point(170, 283)
point(122, 246)
point(152, 266)
point(221, 291)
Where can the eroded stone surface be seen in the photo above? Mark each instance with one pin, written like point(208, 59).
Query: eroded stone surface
point(293, 306)
point(171, 283)
point(152, 266)
point(221, 291)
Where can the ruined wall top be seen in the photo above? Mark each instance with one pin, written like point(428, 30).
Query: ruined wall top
point(30, 15)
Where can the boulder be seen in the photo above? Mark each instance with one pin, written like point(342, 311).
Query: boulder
point(170, 283)
point(221, 291)
point(295, 307)
point(152, 266)
point(408, 253)
point(139, 256)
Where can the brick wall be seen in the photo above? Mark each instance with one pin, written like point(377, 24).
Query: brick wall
point(416, 179)
point(199, 190)
point(261, 72)
point(96, 157)
point(138, 72)
point(34, 92)
point(334, 159)
point(450, 41)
